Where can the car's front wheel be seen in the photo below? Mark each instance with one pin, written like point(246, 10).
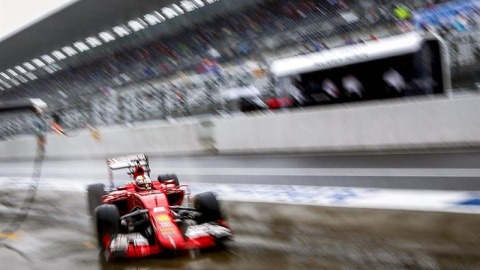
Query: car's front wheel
point(95, 193)
point(108, 223)
point(207, 204)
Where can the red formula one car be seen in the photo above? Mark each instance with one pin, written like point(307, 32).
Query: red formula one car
point(146, 217)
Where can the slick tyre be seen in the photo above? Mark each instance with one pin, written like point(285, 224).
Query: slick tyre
point(164, 177)
point(107, 222)
point(208, 206)
point(95, 193)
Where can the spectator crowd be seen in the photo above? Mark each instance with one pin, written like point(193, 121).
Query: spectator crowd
point(184, 73)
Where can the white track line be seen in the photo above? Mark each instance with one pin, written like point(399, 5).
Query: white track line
point(418, 200)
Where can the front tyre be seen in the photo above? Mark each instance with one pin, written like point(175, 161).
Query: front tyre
point(207, 204)
point(108, 223)
point(95, 193)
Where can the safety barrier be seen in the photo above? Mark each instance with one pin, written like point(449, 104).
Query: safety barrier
point(412, 123)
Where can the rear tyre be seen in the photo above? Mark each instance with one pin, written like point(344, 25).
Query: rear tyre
point(95, 193)
point(107, 220)
point(208, 206)
point(164, 177)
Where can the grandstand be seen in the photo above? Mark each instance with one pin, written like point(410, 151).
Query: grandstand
point(174, 58)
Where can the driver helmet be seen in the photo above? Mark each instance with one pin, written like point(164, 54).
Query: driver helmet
point(143, 182)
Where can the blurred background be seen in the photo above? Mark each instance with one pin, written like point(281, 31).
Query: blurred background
point(338, 134)
point(117, 62)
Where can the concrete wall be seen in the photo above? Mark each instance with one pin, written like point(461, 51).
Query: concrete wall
point(412, 123)
point(403, 124)
point(161, 139)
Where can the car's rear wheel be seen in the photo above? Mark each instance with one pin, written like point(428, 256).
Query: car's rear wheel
point(95, 193)
point(108, 223)
point(208, 206)
point(164, 177)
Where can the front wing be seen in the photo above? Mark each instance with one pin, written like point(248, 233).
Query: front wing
point(135, 245)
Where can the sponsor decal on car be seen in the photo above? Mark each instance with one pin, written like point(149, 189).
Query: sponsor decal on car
point(159, 209)
point(161, 218)
point(169, 232)
point(165, 224)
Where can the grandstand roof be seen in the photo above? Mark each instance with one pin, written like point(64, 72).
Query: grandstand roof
point(350, 54)
point(75, 22)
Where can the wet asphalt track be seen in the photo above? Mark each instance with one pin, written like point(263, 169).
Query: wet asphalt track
point(58, 233)
point(439, 171)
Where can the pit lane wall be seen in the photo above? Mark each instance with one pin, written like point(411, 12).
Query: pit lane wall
point(413, 123)
point(158, 139)
point(410, 123)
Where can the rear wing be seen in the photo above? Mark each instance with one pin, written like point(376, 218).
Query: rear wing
point(127, 161)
